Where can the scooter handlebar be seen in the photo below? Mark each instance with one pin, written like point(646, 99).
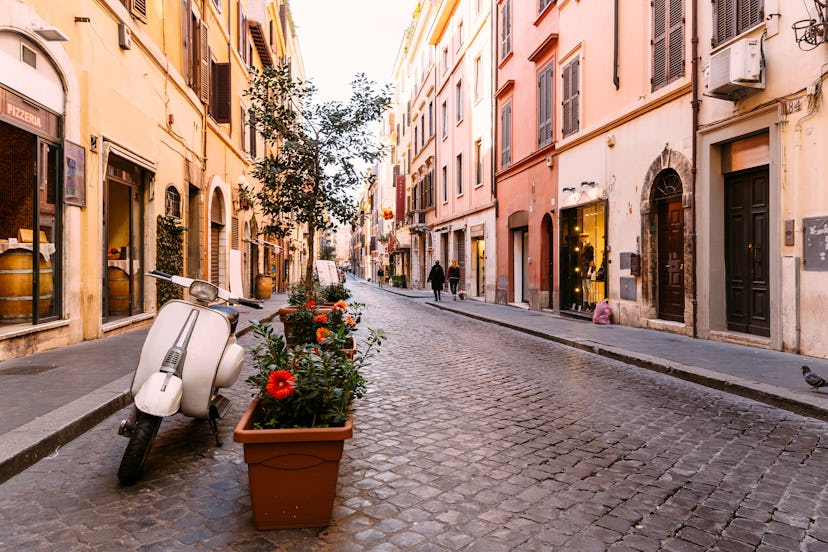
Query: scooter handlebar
point(159, 274)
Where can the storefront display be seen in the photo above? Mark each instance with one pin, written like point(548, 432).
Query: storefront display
point(583, 257)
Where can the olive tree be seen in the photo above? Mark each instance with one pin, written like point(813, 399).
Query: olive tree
point(316, 154)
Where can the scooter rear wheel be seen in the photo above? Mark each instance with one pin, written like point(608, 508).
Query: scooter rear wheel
point(138, 449)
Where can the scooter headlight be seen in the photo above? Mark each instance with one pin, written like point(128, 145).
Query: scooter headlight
point(204, 291)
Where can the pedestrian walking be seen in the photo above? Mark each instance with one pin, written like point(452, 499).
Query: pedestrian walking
point(380, 276)
point(437, 277)
point(453, 278)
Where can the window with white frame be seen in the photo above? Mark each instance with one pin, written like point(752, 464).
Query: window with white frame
point(458, 101)
point(506, 135)
point(445, 184)
point(478, 163)
point(478, 78)
point(571, 96)
point(459, 175)
point(546, 84)
point(505, 29)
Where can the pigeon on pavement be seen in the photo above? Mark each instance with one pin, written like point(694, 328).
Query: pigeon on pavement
point(814, 380)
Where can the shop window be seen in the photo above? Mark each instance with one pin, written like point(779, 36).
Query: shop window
point(583, 257)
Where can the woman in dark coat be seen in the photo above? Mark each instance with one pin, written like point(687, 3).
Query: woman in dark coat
point(437, 278)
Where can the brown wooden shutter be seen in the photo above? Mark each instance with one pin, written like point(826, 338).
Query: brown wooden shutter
point(139, 9)
point(675, 46)
point(187, 39)
point(659, 77)
point(566, 103)
point(234, 233)
point(220, 99)
point(576, 95)
point(545, 103)
point(204, 59)
point(506, 136)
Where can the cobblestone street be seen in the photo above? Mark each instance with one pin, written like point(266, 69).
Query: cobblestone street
point(472, 437)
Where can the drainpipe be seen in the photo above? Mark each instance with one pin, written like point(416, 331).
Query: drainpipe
point(695, 103)
point(616, 80)
point(495, 21)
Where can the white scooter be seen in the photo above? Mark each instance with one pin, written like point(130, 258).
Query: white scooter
point(189, 354)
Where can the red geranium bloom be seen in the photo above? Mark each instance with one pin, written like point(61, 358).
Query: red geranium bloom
point(321, 333)
point(341, 305)
point(280, 384)
point(320, 318)
point(310, 304)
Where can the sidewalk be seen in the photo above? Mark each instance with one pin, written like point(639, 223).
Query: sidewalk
point(52, 397)
point(771, 377)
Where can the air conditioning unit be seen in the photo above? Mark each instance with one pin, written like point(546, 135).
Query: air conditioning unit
point(736, 70)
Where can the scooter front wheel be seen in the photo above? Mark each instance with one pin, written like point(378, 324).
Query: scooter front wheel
point(138, 449)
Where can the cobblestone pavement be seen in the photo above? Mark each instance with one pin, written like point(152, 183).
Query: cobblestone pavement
point(472, 437)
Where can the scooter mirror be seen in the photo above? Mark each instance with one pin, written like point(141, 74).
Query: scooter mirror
point(203, 291)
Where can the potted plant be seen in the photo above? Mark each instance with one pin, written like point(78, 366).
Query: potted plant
point(334, 292)
point(294, 430)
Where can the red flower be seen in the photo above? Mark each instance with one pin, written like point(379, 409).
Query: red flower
point(321, 333)
point(320, 318)
point(310, 304)
point(280, 384)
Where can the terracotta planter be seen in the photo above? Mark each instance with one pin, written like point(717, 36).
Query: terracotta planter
point(292, 472)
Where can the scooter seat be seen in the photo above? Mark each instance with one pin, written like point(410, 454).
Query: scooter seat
point(230, 313)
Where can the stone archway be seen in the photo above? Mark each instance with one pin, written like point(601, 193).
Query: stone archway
point(669, 161)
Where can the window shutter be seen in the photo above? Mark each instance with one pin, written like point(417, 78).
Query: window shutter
point(659, 77)
point(576, 95)
point(675, 69)
point(506, 137)
point(566, 103)
point(139, 9)
point(239, 30)
point(725, 20)
point(204, 51)
point(545, 109)
point(220, 102)
point(186, 35)
point(506, 30)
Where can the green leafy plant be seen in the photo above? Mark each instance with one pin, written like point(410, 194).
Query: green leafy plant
point(169, 256)
point(310, 323)
point(318, 152)
point(334, 293)
point(311, 385)
point(301, 294)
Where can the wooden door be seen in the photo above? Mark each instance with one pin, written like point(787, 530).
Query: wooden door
point(671, 260)
point(746, 252)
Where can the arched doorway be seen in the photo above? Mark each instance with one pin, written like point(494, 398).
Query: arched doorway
point(670, 245)
point(217, 246)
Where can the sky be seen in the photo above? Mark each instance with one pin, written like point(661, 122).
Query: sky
point(339, 38)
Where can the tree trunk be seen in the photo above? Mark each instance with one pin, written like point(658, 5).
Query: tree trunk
point(311, 254)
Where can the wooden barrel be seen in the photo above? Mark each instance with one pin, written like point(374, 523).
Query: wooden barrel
point(117, 286)
point(16, 283)
point(264, 286)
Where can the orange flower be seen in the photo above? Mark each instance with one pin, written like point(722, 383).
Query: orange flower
point(321, 333)
point(280, 384)
point(310, 304)
point(341, 305)
point(350, 321)
point(320, 318)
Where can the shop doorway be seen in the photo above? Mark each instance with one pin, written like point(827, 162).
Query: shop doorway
point(746, 251)
point(583, 260)
point(520, 267)
point(123, 232)
point(479, 266)
point(217, 246)
point(668, 191)
point(29, 227)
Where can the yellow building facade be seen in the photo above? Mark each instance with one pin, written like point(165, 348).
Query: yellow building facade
point(115, 113)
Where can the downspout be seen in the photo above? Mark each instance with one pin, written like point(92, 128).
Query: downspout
point(495, 22)
point(615, 78)
point(695, 103)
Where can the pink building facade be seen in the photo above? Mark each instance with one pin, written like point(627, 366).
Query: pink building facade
point(526, 130)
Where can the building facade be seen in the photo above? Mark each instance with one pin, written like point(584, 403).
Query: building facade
point(132, 113)
point(525, 119)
